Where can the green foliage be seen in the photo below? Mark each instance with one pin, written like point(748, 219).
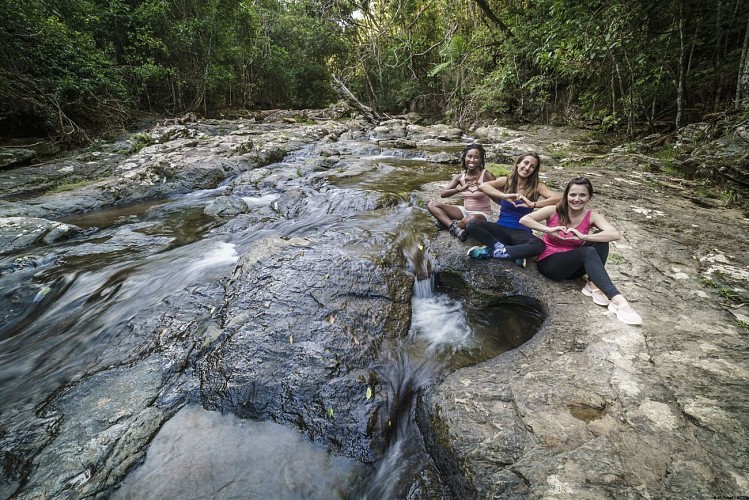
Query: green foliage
point(498, 170)
point(725, 291)
point(669, 156)
point(68, 66)
point(140, 141)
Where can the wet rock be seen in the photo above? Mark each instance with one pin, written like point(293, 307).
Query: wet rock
point(226, 206)
point(20, 232)
point(12, 157)
point(389, 130)
point(313, 372)
point(588, 407)
point(101, 434)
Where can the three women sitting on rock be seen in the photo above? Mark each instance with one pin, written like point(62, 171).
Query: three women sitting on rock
point(569, 250)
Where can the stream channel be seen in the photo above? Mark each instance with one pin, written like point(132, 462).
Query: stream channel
point(115, 296)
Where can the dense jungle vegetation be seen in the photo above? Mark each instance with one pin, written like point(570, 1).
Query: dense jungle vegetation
point(71, 68)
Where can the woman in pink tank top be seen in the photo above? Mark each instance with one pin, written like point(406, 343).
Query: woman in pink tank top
point(573, 251)
point(476, 204)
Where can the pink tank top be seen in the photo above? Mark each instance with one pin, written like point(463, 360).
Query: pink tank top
point(555, 244)
point(473, 199)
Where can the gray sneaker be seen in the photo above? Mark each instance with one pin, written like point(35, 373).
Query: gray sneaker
point(459, 233)
point(500, 252)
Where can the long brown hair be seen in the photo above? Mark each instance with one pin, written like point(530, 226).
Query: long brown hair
point(531, 188)
point(563, 207)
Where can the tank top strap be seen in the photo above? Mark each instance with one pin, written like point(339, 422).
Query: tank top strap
point(584, 226)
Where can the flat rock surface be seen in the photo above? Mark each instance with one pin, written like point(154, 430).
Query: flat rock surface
point(593, 408)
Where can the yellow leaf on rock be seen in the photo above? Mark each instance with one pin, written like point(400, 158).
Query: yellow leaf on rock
point(331, 319)
point(369, 393)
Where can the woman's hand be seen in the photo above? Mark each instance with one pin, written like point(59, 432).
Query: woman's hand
point(577, 235)
point(566, 233)
point(556, 230)
point(522, 201)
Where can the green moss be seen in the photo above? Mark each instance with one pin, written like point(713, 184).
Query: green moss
point(724, 291)
point(69, 186)
point(616, 259)
point(498, 170)
point(668, 155)
point(140, 141)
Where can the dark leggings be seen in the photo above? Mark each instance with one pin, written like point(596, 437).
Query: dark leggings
point(519, 244)
point(588, 259)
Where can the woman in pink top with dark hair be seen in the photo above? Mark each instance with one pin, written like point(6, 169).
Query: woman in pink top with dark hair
point(476, 205)
point(572, 251)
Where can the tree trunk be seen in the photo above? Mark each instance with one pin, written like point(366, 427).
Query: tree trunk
point(493, 17)
point(681, 84)
point(368, 112)
point(742, 82)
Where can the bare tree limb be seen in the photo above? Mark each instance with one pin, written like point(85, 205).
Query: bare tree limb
point(493, 17)
point(368, 112)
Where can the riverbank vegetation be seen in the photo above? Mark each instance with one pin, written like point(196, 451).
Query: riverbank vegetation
point(73, 68)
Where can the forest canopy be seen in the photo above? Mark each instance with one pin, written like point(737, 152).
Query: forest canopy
point(70, 67)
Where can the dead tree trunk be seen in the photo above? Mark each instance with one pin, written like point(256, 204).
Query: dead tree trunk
point(368, 112)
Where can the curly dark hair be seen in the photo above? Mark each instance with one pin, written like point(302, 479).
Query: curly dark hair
point(465, 151)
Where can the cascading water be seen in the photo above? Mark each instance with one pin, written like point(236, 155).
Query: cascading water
point(107, 300)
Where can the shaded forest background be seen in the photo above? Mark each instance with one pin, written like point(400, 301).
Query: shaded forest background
point(71, 69)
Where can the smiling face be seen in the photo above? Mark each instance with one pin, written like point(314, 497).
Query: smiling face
point(473, 159)
point(578, 196)
point(526, 166)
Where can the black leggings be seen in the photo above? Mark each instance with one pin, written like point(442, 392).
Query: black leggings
point(519, 243)
point(588, 259)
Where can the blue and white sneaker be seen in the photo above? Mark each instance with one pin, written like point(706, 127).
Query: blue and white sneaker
point(520, 262)
point(500, 252)
point(479, 253)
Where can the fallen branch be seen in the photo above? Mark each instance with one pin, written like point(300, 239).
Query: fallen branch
point(368, 112)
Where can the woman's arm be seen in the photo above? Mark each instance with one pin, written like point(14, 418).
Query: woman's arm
point(533, 219)
point(453, 187)
point(607, 231)
point(492, 189)
point(549, 198)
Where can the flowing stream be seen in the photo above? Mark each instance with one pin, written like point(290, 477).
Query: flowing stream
point(76, 308)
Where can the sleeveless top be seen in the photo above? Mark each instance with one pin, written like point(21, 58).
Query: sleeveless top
point(509, 215)
point(473, 199)
point(555, 244)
